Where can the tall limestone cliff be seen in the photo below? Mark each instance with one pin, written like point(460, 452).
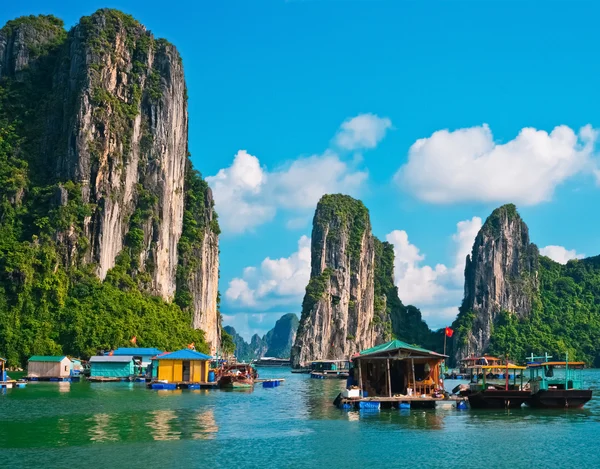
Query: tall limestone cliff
point(338, 311)
point(101, 112)
point(501, 276)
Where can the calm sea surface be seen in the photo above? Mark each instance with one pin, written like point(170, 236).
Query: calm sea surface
point(294, 425)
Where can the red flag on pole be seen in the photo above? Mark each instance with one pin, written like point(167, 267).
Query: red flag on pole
point(449, 332)
point(133, 340)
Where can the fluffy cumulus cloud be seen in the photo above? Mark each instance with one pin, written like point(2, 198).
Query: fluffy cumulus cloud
point(248, 195)
point(237, 190)
point(276, 282)
point(560, 254)
point(436, 290)
point(362, 131)
point(468, 165)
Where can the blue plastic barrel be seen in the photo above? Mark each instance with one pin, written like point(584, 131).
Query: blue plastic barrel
point(211, 376)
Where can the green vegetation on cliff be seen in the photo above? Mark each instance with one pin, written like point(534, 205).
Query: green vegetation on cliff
point(354, 219)
point(51, 302)
point(404, 322)
point(565, 317)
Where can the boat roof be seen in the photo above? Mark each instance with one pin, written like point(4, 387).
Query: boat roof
point(510, 366)
point(330, 361)
point(137, 351)
point(398, 345)
point(184, 354)
point(111, 358)
point(536, 364)
point(41, 358)
point(487, 357)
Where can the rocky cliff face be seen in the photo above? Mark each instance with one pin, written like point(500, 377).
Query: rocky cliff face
point(275, 343)
point(501, 274)
point(338, 308)
point(113, 132)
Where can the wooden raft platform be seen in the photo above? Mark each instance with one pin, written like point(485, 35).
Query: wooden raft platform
point(262, 380)
point(157, 386)
point(377, 402)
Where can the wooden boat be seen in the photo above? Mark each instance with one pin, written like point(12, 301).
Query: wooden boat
point(557, 392)
point(238, 376)
point(487, 395)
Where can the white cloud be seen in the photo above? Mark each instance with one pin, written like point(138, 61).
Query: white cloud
point(248, 195)
point(437, 290)
point(276, 282)
point(560, 254)
point(237, 189)
point(467, 164)
point(362, 131)
point(301, 185)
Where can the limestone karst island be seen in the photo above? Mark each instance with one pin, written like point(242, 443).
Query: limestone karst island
point(294, 234)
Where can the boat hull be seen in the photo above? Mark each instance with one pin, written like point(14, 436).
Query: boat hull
point(560, 398)
point(498, 399)
point(231, 382)
point(320, 375)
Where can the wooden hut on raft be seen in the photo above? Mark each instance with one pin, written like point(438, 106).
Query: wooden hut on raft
point(394, 373)
point(49, 368)
point(185, 368)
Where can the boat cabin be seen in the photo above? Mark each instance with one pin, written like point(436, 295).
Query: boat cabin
point(398, 369)
point(466, 364)
point(546, 374)
point(482, 377)
point(49, 367)
point(183, 366)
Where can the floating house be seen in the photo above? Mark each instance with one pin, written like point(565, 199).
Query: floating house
point(141, 355)
point(49, 368)
point(326, 369)
point(111, 367)
point(76, 366)
point(184, 368)
point(394, 374)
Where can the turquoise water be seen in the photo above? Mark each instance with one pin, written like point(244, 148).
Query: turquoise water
point(294, 425)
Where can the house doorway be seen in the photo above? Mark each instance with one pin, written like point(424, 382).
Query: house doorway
point(186, 371)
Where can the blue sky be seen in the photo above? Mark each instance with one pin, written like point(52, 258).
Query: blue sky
point(355, 96)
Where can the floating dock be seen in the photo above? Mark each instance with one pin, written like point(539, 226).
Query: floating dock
point(399, 402)
point(263, 380)
point(158, 386)
point(48, 378)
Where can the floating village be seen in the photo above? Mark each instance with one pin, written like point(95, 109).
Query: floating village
point(393, 375)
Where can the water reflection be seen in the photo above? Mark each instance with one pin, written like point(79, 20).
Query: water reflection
point(101, 430)
point(161, 426)
point(64, 386)
point(206, 426)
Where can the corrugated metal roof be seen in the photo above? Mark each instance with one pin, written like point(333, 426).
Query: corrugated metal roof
point(396, 345)
point(111, 359)
point(41, 358)
point(185, 354)
point(135, 351)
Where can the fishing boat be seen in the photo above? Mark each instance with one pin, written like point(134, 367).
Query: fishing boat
point(238, 376)
point(561, 391)
point(483, 394)
point(330, 369)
